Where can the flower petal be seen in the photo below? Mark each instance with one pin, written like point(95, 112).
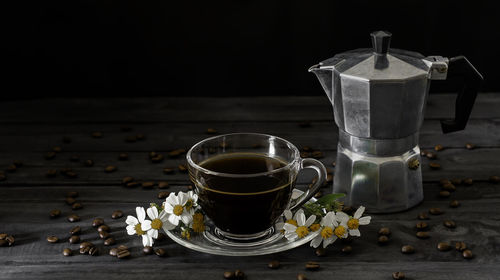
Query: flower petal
point(291, 236)
point(365, 220)
point(182, 197)
point(279, 226)
point(186, 219)
point(173, 219)
point(289, 227)
point(168, 208)
point(341, 217)
point(153, 233)
point(359, 212)
point(301, 219)
point(131, 220)
point(310, 220)
point(141, 214)
point(298, 213)
point(329, 241)
point(288, 214)
point(146, 225)
point(328, 219)
point(316, 241)
point(354, 232)
point(171, 199)
point(163, 215)
point(130, 230)
point(152, 213)
point(147, 240)
point(167, 226)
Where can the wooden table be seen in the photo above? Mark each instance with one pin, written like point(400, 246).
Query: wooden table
point(30, 128)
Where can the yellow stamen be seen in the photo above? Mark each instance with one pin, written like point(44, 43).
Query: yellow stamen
point(326, 232)
point(198, 224)
point(186, 234)
point(315, 227)
point(189, 204)
point(156, 223)
point(339, 231)
point(353, 223)
point(178, 210)
point(138, 229)
point(292, 222)
point(302, 231)
point(198, 217)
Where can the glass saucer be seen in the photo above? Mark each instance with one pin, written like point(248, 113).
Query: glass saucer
point(212, 242)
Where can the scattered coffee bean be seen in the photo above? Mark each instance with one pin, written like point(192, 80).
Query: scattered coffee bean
point(456, 181)
point(470, 146)
point(320, 252)
point(52, 239)
point(346, 249)
point(228, 274)
point(436, 211)
point(407, 249)
point(86, 244)
point(329, 178)
point(50, 155)
point(74, 158)
point(421, 226)
point(110, 168)
point(148, 250)
point(444, 194)
point(11, 168)
point(423, 234)
point(494, 179)
point(182, 168)
point(211, 131)
point(317, 154)
point(460, 246)
point(130, 139)
point(238, 274)
point(113, 252)
point(123, 254)
point(74, 239)
point(443, 246)
point(72, 194)
point(3, 236)
point(85, 250)
point(51, 173)
point(57, 149)
point(117, 214)
point(384, 231)
point(132, 184)
point(55, 213)
point(383, 239)
point(97, 222)
point(73, 218)
point(140, 136)
point(122, 247)
point(71, 174)
point(431, 155)
point(76, 206)
point(274, 264)
point(301, 276)
point(467, 254)
point(162, 185)
point(312, 265)
point(67, 252)
point(449, 224)
point(168, 170)
point(10, 240)
point(443, 182)
point(148, 185)
point(127, 179)
point(423, 216)
point(110, 241)
point(97, 134)
point(66, 139)
point(438, 148)
point(76, 230)
point(163, 195)
point(123, 156)
point(70, 200)
point(160, 252)
point(434, 165)
point(88, 163)
point(468, 181)
point(103, 228)
point(104, 234)
point(318, 194)
point(449, 187)
point(157, 159)
point(398, 275)
point(454, 203)
point(94, 251)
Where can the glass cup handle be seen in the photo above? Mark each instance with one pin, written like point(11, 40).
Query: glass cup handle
point(321, 170)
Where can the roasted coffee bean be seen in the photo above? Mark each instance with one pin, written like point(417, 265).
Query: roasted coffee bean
point(57, 149)
point(454, 203)
point(301, 276)
point(398, 275)
point(86, 244)
point(122, 247)
point(423, 234)
point(67, 252)
point(431, 155)
point(94, 251)
point(161, 252)
point(76, 230)
point(11, 168)
point(103, 228)
point(85, 250)
point(384, 231)
point(190, 187)
point(443, 246)
point(317, 154)
point(467, 254)
point(494, 179)
point(383, 239)
point(318, 194)
point(161, 236)
point(51, 173)
point(434, 165)
point(55, 213)
point(70, 200)
point(423, 216)
point(152, 154)
point(133, 184)
point(423, 153)
point(228, 274)
point(74, 239)
point(147, 185)
point(131, 139)
point(168, 170)
point(449, 224)
point(162, 195)
point(72, 194)
point(346, 249)
point(444, 194)
point(71, 174)
point(320, 252)
point(110, 169)
point(148, 250)
point(109, 241)
point(211, 131)
point(438, 148)
point(123, 254)
point(157, 159)
point(421, 226)
point(52, 239)
point(50, 155)
point(312, 266)
point(66, 139)
point(274, 264)
point(127, 179)
point(449, 187)
point(329, 178)
point(3, 236)
point(469, 146)
point(443, 182)
point(113, 252)
point(104, 234)
point(97, 222)
point(123, 156)
point(436, 211)
point(407, 249)
point(238, 274)
point(468, 182)
point(73, 218)
point(117, 214)
point(88, 163)
point(140, 136)
point(456, 181)
point(10, 240)
point(182, 168)
point(460, 246)
point(96, 134)
point(76, 206)
point(162, 185)
point(74, 158)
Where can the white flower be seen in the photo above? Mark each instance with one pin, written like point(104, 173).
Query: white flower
point(176, 206)
point(134, 226)
point(301, 229)
point(288, 215)
point(157, 222)
point(326, 235)
point(191, 202)
point(354, 222)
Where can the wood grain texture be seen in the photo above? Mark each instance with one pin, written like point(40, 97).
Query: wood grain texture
point(28, 129)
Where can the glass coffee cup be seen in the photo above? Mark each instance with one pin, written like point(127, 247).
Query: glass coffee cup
point(244, 181)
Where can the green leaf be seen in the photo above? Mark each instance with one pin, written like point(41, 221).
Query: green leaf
point(329, 199)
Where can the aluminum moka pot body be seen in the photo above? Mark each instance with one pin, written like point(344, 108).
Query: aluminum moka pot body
point(379, 97)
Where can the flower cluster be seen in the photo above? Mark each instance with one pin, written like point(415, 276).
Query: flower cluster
point(178, 211)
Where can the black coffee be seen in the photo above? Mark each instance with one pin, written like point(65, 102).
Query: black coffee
point(244, 204)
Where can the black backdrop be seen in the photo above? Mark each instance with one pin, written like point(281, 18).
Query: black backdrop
point(222, 48)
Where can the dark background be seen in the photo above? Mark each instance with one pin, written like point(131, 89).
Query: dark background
point(229, 48)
